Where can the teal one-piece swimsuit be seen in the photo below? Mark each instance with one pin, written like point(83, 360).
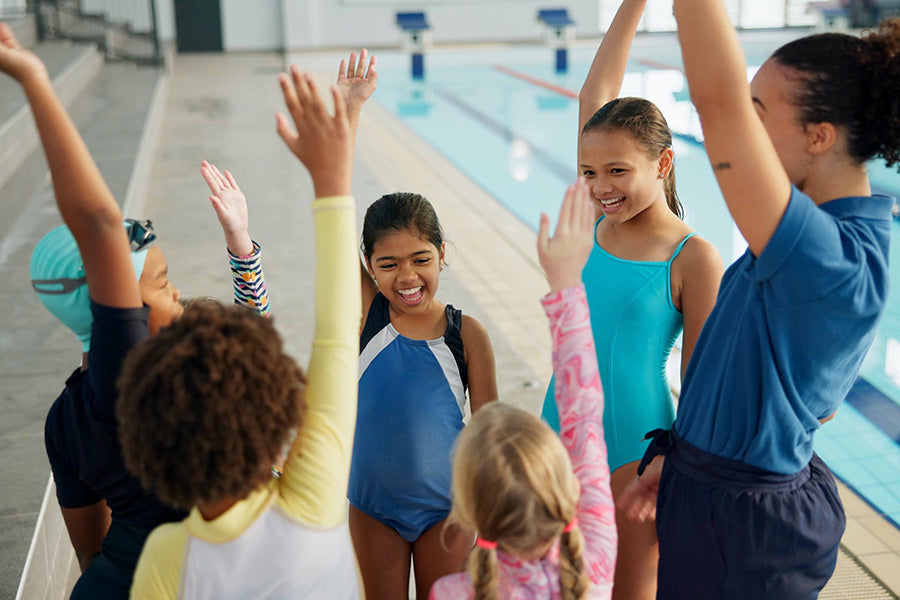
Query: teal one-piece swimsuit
point(635, 326)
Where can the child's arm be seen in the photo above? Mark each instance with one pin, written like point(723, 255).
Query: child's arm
point(92, 215)
point(85, 202)
point(87, 526)
point(314, 484)
point(479, 362)
point(579, 394)
point(701, 272)
point(755, 185)
point(245, 256)
point(356, 83)
point(604, 80)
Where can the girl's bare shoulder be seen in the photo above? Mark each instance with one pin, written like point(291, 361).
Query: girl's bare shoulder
point(698, 259)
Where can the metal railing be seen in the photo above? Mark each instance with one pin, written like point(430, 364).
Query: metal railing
point(13, 8)
point(123, 29)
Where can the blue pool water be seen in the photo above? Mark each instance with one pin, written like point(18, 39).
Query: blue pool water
point(516, 139)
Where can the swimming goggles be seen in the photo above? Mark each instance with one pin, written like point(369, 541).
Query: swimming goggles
point(141, 234)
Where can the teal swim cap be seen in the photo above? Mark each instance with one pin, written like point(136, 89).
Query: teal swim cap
point(57, 275)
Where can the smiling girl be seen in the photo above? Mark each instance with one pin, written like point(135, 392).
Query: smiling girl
point(648, 278)
point(417, 358)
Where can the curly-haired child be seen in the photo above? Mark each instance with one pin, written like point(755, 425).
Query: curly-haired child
point(108, 284)
point(542, 504)
point(207, 407)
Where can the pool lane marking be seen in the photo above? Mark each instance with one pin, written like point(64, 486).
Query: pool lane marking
point(567, 174)
point(574, 96)
point(538, 82)
point(877, 407)
point(655, 64)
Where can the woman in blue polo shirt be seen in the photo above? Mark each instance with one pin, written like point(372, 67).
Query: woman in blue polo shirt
point(745, 509)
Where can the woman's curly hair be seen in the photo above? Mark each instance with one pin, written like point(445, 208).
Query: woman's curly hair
point(853, 82)
point(206, 406)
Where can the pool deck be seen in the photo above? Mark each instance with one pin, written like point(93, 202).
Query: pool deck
point(220, 108)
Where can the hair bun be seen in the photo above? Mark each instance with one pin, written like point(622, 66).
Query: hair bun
point(879, 57)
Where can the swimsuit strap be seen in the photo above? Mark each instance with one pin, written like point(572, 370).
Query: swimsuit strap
point(453, 339)
point(379, 316)
point(681, 245)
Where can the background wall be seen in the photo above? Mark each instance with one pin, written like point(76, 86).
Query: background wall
point(351, 23)
point(305, 24)
point(252, 25)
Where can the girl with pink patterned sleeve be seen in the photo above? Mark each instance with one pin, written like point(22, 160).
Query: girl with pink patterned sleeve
point(543, 509)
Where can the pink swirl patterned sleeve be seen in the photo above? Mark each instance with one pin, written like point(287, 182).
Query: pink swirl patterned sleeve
point(579, 399)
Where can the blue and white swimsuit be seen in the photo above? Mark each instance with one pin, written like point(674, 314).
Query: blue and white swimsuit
point(412, 395)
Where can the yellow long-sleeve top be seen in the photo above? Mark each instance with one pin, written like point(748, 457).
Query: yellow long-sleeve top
point(289, 538)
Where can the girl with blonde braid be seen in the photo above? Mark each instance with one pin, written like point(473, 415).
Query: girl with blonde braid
point(542, 504)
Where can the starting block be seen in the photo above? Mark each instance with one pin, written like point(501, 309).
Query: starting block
point(559, 30)
point(416, 38)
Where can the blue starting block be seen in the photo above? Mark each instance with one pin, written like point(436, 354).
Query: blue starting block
point(416, 34)
point(559, 29)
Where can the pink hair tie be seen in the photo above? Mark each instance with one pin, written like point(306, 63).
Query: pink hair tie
point(570, 525)
point(486, 544)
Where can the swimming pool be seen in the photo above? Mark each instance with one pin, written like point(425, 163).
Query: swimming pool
point(507, 120)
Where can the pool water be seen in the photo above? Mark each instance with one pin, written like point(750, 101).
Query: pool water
point(506, 119)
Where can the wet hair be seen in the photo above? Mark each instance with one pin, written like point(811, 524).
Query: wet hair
point(400, 211)
point(206, 406)
point(853, 83)
point(513, 483)
point(647, 125)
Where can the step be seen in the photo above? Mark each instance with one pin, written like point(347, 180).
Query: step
point(25, 29)
point(117, 114)
point(71, 67)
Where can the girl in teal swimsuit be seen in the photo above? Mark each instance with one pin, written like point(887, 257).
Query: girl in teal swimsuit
point(648, 277)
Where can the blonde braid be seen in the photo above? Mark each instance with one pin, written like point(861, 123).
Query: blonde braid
point(482, 567)
point(573, 581)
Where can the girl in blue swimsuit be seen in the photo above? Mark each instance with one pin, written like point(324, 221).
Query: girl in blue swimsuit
point(647, 277)
point(417, 358)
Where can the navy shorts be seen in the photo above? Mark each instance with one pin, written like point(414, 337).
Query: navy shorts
point(731, 530)
point(111, 571)
point(94, 583)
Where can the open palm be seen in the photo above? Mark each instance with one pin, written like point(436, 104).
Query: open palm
point(230, 205)
point(227, 198)
point(355, 82)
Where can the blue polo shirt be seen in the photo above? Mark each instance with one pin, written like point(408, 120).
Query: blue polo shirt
point(788, 334)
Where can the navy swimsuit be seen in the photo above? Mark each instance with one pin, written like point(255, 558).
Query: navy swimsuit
point(412, 395)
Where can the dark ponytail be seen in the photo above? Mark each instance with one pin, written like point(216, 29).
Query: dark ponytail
point(647, 125)
point(853, 83)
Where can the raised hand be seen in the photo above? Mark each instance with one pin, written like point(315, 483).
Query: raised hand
point(230, 205)
point(564, 255)
point(355, 82)
point(322, 142)
point(16, 61)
